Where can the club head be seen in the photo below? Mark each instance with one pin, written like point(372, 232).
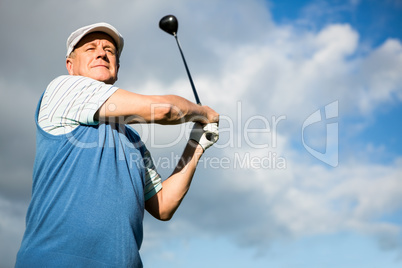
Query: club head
point(169, 24)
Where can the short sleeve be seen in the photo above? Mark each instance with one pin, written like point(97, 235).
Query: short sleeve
point(70, 101)
point(153, 181)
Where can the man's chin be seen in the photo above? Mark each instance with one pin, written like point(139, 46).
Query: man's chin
point(107, 79)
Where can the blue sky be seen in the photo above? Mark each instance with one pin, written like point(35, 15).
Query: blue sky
point(375, 21)
point(260, 64)
point(341, 250)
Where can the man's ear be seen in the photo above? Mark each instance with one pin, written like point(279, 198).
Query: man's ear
point(69, 66)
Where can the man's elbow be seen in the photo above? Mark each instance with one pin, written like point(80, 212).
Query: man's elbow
point(154, 208)
point(162, 113)
point(168, 114)
point(164, 216)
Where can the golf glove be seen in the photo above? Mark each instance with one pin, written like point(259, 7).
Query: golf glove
point(205, 135)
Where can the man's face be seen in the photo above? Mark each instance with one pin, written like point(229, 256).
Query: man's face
point(95, 56)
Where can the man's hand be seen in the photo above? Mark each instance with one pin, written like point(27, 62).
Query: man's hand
point(205, 135)
point(210, 116)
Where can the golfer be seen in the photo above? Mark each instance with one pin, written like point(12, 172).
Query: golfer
point(93, 177)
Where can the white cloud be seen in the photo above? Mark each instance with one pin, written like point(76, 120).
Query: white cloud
point(238, 58)
point(294, 73)
point(381, 74)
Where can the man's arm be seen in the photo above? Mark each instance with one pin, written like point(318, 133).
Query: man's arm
point(164, 204)
point(169, 109)
point(129, 108)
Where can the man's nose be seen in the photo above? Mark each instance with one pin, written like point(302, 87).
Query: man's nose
point(101, 53)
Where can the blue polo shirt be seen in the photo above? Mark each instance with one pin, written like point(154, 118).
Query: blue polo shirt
point(88, 198)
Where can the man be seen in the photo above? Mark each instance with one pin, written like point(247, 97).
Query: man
point(93, 177)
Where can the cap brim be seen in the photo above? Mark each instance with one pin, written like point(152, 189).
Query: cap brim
point(76, 36)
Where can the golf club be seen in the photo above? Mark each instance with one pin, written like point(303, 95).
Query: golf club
point(170, 25)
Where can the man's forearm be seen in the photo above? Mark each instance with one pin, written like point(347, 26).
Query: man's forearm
point(164, 204)
point(133, 108)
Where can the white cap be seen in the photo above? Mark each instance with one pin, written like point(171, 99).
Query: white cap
point(76, 36)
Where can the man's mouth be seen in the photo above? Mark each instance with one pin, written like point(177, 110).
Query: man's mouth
point(100, 65)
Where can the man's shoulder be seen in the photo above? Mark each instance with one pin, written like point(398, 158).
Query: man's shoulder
point(72, 79)
point(67, 83)
point(60, 81)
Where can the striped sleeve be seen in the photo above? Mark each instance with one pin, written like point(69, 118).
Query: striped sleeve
point(153, 181)
point(70, 101)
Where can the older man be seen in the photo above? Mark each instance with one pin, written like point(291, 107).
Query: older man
point(93, 177)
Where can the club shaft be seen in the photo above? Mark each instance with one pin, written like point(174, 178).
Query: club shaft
point(197, 99)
